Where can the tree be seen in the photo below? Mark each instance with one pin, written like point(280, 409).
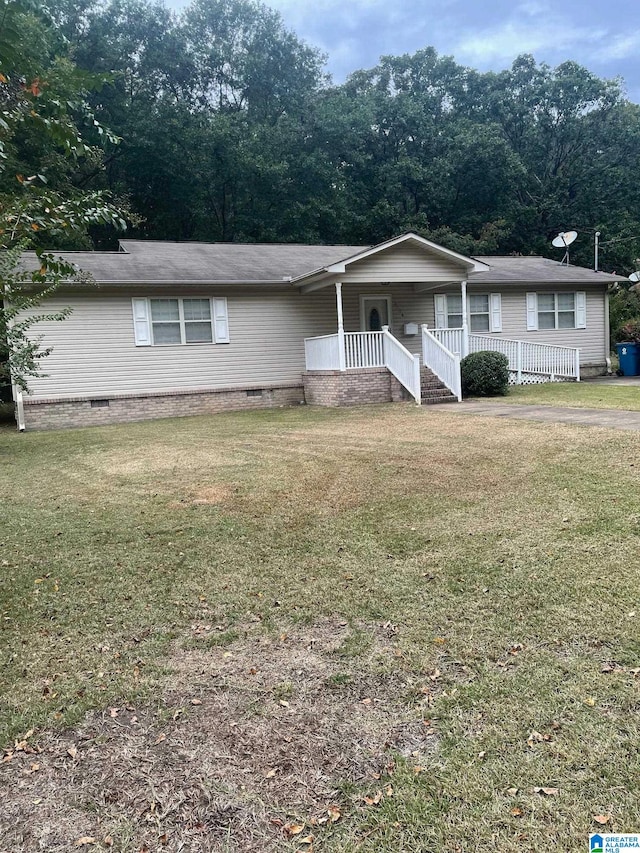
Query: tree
point(39, 121)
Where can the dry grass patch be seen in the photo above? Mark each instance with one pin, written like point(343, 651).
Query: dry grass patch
point(251, 744)
point(505, 551)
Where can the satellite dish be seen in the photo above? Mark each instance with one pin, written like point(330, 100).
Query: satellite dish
point(564, 239)
point(635, 277)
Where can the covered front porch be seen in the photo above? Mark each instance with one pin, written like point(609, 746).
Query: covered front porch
point(405, 308)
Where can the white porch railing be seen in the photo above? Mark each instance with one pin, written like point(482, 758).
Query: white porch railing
point(452, 339)
point(442, 361)
point(322, 353)
point(404, 366)
point(364, 349)
point(527, 357)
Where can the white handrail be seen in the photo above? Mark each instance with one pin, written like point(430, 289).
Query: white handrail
point(404, 365)
point(550, 360)
point(441, 361)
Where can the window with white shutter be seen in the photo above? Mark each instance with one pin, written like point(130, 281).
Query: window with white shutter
point(174, 321)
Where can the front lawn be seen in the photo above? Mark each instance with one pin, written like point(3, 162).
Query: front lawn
point(380, 629)
point(589, 395)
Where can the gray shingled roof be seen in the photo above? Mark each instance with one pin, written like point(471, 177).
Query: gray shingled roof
point(150, 260)
point(155, 261)
point(506, 269)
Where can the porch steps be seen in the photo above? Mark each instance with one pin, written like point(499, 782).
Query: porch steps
point(432, 390)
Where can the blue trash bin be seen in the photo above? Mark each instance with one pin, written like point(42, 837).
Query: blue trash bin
point(629, 358)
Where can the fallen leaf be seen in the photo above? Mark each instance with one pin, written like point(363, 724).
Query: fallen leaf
point(86, 839)
point(113, 712)
point(72, 751)
point(159, 739)
point(108, 841)
point(512, 792)
point(291, 829)
point(366, 701)
point(389, 791)
point(334, 813)
point(590, 701)
point(284, 703)
point(307, 840)
point(196, 701)
point(270, 774)
point(548, 792)
point(375, 800)
point(602, 818)
point(516, 812)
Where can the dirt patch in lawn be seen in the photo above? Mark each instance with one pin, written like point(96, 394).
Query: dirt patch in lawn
point(250, 747)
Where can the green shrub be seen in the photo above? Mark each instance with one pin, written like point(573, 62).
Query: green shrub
point(485, 374)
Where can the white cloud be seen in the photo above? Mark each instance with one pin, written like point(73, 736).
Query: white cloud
point(511, 38)
point(619, 47)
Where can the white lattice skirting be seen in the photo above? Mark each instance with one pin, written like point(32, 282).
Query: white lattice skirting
point(536, 378)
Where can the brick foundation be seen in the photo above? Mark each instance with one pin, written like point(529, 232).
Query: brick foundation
point(352, 387)
point(79, 412)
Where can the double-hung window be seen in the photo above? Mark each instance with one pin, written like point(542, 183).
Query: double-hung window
point(479, 314)
point(166, 322)
point(450, 311)
point(556, 311)
point(484, 310)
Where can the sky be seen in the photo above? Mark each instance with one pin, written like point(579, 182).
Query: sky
point(603, 35)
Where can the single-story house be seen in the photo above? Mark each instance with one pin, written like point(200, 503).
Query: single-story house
point(173, 329)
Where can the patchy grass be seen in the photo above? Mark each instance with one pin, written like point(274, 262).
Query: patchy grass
point(582, 395)
point(414, 620)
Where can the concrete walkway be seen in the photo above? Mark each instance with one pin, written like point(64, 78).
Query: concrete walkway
point(609, 418)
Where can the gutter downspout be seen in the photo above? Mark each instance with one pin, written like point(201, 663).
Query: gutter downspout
point(19, 402)
point(16, 391)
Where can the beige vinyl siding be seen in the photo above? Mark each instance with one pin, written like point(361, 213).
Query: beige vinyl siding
point(401, 264)
point(591, 341)
point(94, 352)
point(407, 306)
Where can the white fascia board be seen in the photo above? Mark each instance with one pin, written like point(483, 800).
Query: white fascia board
point(472, 264)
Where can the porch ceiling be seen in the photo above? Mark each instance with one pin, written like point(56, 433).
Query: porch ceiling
point(331, 279)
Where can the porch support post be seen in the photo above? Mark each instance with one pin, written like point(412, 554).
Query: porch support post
point(341, 350)
point(465, 314)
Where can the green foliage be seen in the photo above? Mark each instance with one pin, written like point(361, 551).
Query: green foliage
point(630, 331)
point(485, 374)
point(624, 306)
point(43, 103)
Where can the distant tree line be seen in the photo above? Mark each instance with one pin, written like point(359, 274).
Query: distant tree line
point(229, 129)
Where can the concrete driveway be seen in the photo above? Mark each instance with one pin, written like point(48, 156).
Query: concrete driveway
point(609, 418)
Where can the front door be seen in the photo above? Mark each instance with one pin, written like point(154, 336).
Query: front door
point(375, 312)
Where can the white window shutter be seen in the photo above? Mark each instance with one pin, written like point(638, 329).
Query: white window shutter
point(141, 322)
point(221, 320)
point(495, 309)
point(440, 301)
point(581, 310)
point(532, 312)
